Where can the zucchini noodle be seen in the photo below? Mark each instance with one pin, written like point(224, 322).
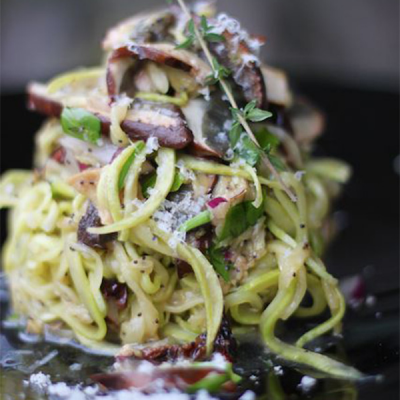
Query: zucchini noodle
point(123, 242)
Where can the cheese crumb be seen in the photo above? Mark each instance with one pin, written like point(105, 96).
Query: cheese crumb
point(307, 383)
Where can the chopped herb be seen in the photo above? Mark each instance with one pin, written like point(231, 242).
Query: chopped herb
point(235, 133)
point(150, 181)
point(205, 31)
point(276, 162)
point(219, 72)
point(190, 38)
point(267, 140)
point(139, 146)
point(200, 219)
point(239, 218)
point(254, 114)
point(207, 35)
point(81, 124)
point(247, 150)
point(241, 143)
point(217, 259)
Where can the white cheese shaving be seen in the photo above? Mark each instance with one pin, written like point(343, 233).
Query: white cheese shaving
point(152, 145)
point(172, 214)
point(205, 91)
point(307, 383)
point(39, 381)
point(248, 395)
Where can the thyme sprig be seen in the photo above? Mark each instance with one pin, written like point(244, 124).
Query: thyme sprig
point(205, 31)
point(266, 163)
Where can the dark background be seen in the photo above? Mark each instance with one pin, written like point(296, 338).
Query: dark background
point(341, 54)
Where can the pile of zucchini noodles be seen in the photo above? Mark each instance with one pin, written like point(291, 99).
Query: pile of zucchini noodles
point(53, 277)
point(56, 281)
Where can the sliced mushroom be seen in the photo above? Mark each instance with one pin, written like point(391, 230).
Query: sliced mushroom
point(92, 219)
point(143, 120)
point(307, 122)
point(235, 54)
point(276, 81)
point(145, 27)
point(209, 122)
point(125, 57)
point(85, 182)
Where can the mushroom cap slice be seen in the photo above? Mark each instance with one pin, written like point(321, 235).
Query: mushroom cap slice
point(125, 57)
point(143, 120)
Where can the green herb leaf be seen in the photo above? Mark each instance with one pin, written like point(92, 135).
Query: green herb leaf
point(81, 124)
point(249, 107)
point(150, 181)
point(191, 27)
point(258, 115)
point(190, 38)
point(239, 218)
point(217, 259)
point(248, 150)
point(139, 146)
point(267, 141)
point(219, 72)
point(276, 162)
point(186, 44)
point(200, 219)
point(235, 133)
point(204, 24)
point(213, 37)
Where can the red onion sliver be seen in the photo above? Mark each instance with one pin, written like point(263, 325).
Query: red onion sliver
point(216, 202)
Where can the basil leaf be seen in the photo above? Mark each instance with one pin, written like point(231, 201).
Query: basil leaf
point(125, 168)
point(239, 218)
point(217, 259)
point(81, 124)
point(247, 150)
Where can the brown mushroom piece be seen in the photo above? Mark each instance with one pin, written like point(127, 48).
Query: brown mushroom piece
point(307, 122)
point(278, 90)
point(142, 28)
point(143, 120)
point(89, 220)
point(209, 122)
point(124, 59)
point(235, 54)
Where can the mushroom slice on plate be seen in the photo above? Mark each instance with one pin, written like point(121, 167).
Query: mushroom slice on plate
point(143, 120)
point(209, 122)
point(142, 28)
point(124, 58)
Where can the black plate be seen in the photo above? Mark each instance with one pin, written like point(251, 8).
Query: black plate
point(363, 129)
